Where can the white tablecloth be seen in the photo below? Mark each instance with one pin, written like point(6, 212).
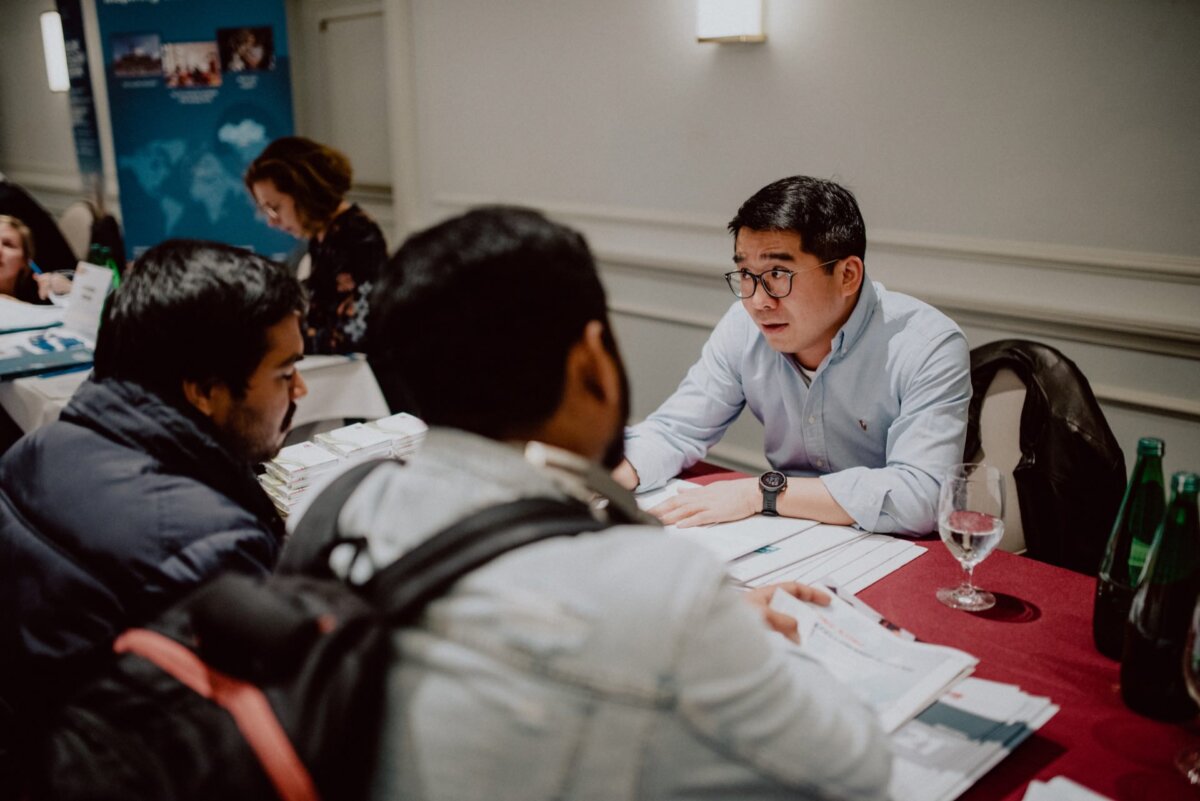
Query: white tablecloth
point(338, 387)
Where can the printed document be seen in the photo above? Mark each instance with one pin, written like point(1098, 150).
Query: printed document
point(896, 677)
point(728, 540)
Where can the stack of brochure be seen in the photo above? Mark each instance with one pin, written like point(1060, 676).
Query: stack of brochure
point(946, 729)
point(293, 471)
point(406, 432)
point(357, 441)
point(764, 550)
point(953, 743)
point(288, 476)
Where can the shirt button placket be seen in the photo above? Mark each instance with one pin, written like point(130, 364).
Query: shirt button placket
point(814, 429)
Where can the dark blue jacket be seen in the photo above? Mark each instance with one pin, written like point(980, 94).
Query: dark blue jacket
point(106, 518)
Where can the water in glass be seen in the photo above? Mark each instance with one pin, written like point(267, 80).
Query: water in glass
point(971, 523)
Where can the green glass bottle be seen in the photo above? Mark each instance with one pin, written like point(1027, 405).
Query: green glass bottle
point(1151, 675)
point(102, 255)
point(1141, 512)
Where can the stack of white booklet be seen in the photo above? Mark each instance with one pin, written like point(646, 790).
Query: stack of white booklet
point(357, 441)
point(763, 550)
point(406, 432)
point(288, 477)
point(946, 729)
point(953, 743)
point(293, 470)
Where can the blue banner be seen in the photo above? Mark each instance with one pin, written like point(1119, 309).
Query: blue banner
point(83, 107)
point(196, 90)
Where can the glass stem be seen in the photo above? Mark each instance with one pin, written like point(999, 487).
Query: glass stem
point(967, 570)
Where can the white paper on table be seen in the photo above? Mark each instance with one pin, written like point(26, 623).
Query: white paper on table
point(820, 565)
point(1060, 788)
point(939, 757)
point(728, 541)
point(803, 545)
point(880, 562)
point(896, 677)
point(16, 315)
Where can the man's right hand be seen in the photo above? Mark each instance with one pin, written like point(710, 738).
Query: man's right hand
point(625, 475)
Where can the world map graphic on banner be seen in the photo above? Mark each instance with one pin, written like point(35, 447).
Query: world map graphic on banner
point(196, 91)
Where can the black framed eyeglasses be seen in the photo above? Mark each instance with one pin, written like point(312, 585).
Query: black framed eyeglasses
point(776, 282)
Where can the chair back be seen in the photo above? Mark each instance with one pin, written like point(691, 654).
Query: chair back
point(1000, 446)
point(1068, 472)
point(76, 225)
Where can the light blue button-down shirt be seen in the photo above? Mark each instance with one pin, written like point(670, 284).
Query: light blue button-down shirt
point(883, 420)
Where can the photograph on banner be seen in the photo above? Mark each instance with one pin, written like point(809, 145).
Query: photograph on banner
point(246, 49)
point(191, 64)
point(185, 133)
point(137, 55)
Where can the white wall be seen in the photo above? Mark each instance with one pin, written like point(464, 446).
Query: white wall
point(36, 147)
point(1032, 168)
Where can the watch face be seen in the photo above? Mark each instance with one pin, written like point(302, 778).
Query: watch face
point(772, 480)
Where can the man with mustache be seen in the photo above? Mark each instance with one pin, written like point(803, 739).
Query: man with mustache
point(144, 488)
point(862, 392)
point(616, 664)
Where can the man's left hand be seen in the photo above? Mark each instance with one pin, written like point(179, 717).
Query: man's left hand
point(718, 502)
point(760, 599)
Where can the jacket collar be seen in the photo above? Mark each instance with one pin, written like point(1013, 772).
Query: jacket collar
point(181, 440)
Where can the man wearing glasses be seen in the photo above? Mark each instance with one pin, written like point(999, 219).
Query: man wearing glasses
point(862, 392)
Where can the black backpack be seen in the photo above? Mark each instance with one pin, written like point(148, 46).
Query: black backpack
point(253, 689)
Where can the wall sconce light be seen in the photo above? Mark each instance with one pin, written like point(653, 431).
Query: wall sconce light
point(729, 21)
point(56, 52)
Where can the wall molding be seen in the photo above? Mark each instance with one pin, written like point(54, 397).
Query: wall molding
point(1136, 265)
point(1125, 397)
point(1163, 338)
point(64, 184)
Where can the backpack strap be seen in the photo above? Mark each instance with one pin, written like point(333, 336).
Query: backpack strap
point(403, 588)
point(307, 549)
point(246, 704)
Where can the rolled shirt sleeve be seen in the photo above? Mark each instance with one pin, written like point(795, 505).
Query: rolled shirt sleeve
point(710, 397)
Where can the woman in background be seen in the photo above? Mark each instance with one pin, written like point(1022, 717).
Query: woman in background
point(301, 187)
point(16, 271)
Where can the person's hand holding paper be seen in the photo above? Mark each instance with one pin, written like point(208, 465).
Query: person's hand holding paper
point(782, 622)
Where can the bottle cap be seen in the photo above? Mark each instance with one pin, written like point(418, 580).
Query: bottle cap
point(1184, 482)
point(1150, 446)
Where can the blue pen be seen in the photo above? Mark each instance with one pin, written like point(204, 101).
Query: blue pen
point(35, 268)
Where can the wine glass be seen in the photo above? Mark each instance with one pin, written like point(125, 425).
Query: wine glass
point(971, 522)
point(1188, 760)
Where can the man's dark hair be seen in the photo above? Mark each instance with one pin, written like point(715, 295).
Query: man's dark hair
point(825, 215)
point(190, 310)
point(471, 325)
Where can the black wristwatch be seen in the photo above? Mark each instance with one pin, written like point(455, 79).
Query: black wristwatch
point(771, 483)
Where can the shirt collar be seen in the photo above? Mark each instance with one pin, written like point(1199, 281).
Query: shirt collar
point(854, 327)
point(586, 481)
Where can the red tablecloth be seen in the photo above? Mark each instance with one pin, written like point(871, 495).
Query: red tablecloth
point(1039, 637)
